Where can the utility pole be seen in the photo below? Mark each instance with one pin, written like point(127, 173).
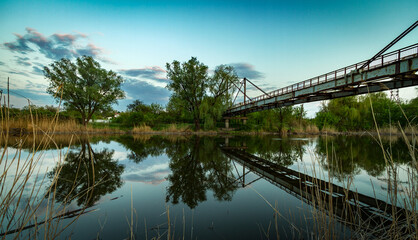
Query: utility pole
point(245, 90)
point(8, 93)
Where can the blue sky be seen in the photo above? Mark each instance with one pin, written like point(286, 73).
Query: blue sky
point(273, 43)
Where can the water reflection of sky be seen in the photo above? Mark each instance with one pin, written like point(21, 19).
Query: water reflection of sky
point(152, 170)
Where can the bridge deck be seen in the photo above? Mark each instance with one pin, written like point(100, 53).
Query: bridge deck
point(390, 71)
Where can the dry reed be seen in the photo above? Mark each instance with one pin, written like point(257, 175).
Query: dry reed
point(48, 124)
point(24, 196)
point(175, 128)
point(328, 130)
point(142, 129)
point(311, 129)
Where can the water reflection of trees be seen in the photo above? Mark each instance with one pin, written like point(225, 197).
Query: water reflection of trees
point(86, 175)
point(141, 148)
point(57, 141)
point(198, 166)
point(283, 151)
point(348, 155)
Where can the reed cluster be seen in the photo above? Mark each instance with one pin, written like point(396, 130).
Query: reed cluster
point(40, 125)
point(142, 129)
point(28, 209)
point(175, 128)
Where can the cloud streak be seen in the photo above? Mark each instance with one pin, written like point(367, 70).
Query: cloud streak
point(148, 93)
point(54, 47)
point(153, 73)
point(246, 70)
point(23, 61)
point(37, 70)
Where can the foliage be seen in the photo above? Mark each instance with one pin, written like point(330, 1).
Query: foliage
point(281, 119)
point(355, 113)
point(83, 86)
point(139, 113)
point(188, 82)
point(201, 96)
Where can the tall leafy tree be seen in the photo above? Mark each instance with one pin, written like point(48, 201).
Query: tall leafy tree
point(188, 82)
point(192, 87)
point(86, 87)
point(221, 86)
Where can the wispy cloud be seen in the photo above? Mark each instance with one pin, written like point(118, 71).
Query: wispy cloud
point(22, 61)
point(37, 70)
point(20, 45)
point(145, 92)
point(65, 39)
point(19, 73)
point(90, 50)
point(154, 174)
point(153, 73)
point(246, 70)
point(54, 47)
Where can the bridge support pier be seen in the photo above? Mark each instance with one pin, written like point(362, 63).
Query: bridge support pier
point(244, 120)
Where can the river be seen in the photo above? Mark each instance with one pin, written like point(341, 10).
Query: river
point(193, 187)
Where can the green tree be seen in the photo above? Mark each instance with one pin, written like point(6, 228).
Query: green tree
point(192, 86)
point(83, 86)
point(188, 82)
point(221, 87)
point(137, 106)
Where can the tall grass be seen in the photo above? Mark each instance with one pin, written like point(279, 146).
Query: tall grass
point(329, 130)
point(27, 209)
point(175, 128)
point(142, 129)
point(40, 125)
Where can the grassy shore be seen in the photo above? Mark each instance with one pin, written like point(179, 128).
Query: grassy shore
point(43, 125)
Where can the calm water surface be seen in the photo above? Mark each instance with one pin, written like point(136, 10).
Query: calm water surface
point(208, 194)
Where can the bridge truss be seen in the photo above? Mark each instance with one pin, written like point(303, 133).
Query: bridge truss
point(393, 70)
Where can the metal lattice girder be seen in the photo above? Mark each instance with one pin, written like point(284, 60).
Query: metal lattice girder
point(401, 70)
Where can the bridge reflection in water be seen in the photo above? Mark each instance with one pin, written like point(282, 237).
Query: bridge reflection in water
point(349, 207)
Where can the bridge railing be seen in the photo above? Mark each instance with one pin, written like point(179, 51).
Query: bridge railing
point(383, 60)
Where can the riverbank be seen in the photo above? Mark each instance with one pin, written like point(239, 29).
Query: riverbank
point(18, 127)
point(111, 131)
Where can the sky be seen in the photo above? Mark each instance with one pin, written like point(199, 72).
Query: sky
point(272, 43)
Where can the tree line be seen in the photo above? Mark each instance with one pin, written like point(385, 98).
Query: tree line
point(366, 112)
point(198, 98)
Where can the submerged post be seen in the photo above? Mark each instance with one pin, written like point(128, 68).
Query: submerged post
point(226, 123)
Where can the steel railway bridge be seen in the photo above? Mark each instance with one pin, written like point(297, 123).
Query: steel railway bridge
point(393, 70)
